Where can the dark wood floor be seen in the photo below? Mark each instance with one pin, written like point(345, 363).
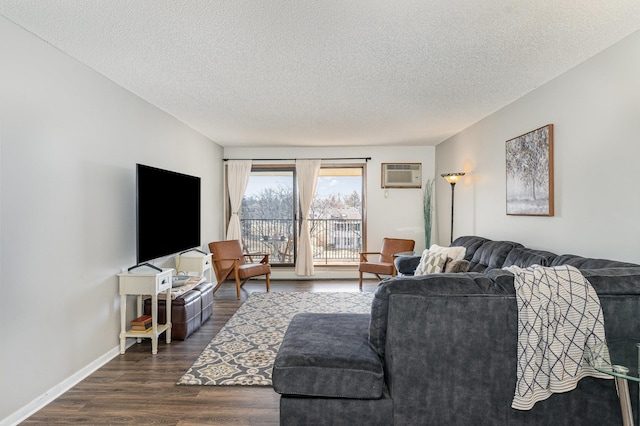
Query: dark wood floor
point(139, 388)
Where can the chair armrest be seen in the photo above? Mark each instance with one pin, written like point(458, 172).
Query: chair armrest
point(363, 255)
point(265, 257)
point(225, 259)
point(222, 274)
point(255, 254)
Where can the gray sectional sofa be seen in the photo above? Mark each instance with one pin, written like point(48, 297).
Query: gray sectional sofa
point(440, 349)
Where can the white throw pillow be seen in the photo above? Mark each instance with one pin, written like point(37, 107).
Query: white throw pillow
point(431, 263)
point(455, 252)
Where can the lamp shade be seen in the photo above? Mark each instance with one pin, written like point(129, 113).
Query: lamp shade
point(452, 178)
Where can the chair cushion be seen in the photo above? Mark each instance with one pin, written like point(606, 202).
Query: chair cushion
point(328, 355)
point(376, 267)
point(249, 270)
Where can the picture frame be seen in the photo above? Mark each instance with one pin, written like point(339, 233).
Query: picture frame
point(529, 173)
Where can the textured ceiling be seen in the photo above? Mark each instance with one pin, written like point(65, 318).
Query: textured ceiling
point(328, 73)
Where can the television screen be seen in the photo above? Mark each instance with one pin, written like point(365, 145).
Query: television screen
point(168, 212)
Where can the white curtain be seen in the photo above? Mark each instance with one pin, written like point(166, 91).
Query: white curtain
point(307, 172)
point(238, 172)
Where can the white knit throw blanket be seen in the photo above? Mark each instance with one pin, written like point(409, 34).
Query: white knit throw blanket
point(559, 320)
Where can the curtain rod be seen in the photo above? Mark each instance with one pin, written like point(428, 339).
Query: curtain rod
point(289, 159)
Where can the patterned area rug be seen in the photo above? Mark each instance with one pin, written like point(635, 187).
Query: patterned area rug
point(244, 350)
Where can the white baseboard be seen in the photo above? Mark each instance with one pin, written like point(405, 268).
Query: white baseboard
point(59, 389)
point(56, 391)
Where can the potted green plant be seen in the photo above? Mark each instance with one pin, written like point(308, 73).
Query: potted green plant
point(427, 205)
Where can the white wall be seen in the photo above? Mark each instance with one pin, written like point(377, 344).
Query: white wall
point(70, 139)
point(399, 215)
point(69, 142)
point(595, 109)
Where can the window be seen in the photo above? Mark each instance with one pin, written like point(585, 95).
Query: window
point(270, 212)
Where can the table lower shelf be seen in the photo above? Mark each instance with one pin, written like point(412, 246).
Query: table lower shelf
point(153, 335)
point(138, 334)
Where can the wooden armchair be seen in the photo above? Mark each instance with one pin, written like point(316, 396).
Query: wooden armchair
point(229, 264)
point(384, 265)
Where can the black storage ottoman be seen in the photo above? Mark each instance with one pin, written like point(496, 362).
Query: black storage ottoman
point(185, 313)
point(206, 296)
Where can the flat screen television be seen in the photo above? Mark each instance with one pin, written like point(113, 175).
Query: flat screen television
point(168, 212)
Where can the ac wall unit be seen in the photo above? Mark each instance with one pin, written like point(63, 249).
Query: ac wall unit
point(402, 175)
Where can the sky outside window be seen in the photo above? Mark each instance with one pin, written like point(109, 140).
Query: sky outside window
point(326, 185)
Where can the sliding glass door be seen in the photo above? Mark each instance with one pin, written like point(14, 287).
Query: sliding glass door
point(337, 216)
point(269, 214)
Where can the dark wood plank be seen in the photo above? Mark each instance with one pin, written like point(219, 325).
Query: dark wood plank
point(139, 388)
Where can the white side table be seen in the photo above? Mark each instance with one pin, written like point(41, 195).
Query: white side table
point(195, 261)
point(145, 284)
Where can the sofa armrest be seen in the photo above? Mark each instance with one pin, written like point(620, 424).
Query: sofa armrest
point(406, 265)
point(328, 355)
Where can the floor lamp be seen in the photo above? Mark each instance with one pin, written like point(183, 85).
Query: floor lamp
point(452, 178)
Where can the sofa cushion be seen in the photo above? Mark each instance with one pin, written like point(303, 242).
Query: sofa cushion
point(455, 266)
point(454, 252)
point(502, 279)
point(491, 254)
point(318, 411)
point(406, 265)
point(605, 281)
point(328, 355)
point(614, 281)
point(461, 248)
point(431, 263)
point(471, 243)
point(524, 257)
point(463, 284)
point(589, 263)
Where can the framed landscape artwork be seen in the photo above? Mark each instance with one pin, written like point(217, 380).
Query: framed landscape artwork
point(530, 173)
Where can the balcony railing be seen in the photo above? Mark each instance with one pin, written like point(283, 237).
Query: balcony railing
point(334, 241)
